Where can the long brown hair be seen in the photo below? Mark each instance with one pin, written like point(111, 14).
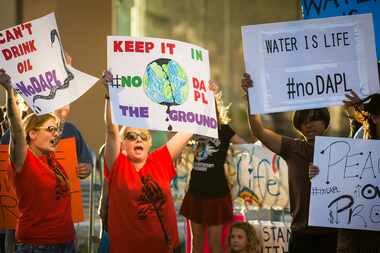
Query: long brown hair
point(370, 108)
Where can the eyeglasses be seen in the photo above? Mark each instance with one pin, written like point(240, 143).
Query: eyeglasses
point(132, 136)
point(50, 129)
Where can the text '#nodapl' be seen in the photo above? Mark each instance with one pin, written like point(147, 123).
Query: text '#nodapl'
point(38, 84)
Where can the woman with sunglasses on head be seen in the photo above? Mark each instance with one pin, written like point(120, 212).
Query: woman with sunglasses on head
point(41, 184)
point(141, 213)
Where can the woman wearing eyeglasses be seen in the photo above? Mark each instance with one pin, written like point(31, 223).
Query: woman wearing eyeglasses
point(141, 213)
point(41, 184)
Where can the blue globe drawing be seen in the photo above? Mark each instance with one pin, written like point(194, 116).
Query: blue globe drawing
point(165, 82)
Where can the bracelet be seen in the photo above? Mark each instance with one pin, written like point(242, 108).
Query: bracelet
point(107, 97)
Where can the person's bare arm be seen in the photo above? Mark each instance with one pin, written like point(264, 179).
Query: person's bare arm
point(112, 140)
point(269, 138)
point(18, 145)
point(177, 143)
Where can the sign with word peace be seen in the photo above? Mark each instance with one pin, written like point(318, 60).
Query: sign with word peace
point(161, 84)
point(327, 8)
point(310, 63)
point(261, 177)
point(346, 192)
point(32, 54)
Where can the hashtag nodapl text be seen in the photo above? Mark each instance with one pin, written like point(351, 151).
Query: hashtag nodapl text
point(328, 84)
point(38, 84)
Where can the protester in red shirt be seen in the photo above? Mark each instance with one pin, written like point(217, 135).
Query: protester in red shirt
point(141, 213)
point(40, 182)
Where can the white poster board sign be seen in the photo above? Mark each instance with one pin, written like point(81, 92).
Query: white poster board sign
point(274, 236)
point(309, 63)
point(161, 84)
point(32, 54)
point(346, 192)
point(261, 177)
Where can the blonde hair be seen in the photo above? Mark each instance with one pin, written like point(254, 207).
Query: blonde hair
point(33, 121)
point(253, 243)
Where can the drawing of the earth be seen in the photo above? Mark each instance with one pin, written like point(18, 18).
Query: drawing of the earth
point(165, 82)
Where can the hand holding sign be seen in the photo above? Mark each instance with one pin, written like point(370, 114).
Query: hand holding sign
point(5, 80)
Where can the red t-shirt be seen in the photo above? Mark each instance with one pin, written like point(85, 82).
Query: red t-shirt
point(133, 223)
point(45, 208)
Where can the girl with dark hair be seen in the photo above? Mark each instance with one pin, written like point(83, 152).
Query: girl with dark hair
point(298, 153)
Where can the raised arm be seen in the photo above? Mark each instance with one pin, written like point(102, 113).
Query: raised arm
point(177, 143)
point(18, 145)
point(112, 141)
point(269, 138)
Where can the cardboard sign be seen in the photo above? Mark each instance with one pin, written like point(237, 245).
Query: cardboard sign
point(346, 192)
point(161, 84)
point(8, 199)
point(310, 63)
point(66, 156)
point(32, 54)
point(274, 236)
point(326, 8)
point(261, 177)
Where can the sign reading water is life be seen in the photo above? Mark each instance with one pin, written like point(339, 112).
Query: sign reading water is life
point(161, 84)
point(310, 63)
point(346, 192)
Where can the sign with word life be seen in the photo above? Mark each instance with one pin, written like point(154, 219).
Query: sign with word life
point(32, 54)
point(346, 192)
point(273, 236)
point(161, 84)
point(261, 176)
point(309, 63)
point(327, 8)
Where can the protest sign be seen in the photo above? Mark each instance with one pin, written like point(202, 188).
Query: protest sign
point(346, 192)
point(274, 236)
point(8, 199)
point(261, 177)
point(161, 84)
point(66, 156)
point(326, 8)
point(32, 54)
point(310, 63)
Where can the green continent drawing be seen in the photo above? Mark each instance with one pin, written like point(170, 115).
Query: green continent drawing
point(165, 82)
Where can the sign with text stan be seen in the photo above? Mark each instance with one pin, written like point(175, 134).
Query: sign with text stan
point(346, 192)
point(310, 63)
point(161, 84)
point(32, 54)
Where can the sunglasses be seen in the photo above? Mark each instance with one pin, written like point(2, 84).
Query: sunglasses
point(132, 136)
point(50, 129)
